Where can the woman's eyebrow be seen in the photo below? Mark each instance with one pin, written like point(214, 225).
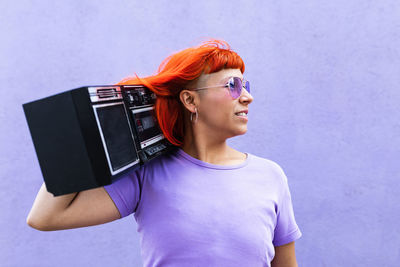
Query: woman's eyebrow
point(226, 79)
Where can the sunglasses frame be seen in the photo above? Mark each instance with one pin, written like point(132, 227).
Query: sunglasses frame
point(245, 84)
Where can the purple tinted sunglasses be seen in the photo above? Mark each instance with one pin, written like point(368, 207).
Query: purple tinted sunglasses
point(235, 85)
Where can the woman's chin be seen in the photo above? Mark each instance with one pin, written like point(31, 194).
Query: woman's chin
point(241, 131)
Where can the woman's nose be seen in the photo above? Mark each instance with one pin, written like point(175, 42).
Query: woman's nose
point(246, 96)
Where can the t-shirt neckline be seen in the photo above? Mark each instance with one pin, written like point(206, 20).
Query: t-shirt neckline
point(186, 156)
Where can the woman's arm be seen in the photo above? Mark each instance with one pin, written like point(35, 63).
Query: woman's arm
point(86, 208)
point(285, 256)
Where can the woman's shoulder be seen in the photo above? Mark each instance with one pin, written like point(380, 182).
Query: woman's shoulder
point(263, 161)
point(166, 157)
point(267, 165)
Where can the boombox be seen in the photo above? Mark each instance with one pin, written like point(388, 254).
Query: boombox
point(89, 136)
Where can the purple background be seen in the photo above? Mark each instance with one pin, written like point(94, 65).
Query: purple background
point(325, 78)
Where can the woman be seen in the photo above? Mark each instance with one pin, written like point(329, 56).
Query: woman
point(205, 203)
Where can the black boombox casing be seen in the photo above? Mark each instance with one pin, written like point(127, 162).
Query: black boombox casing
point(71, 146)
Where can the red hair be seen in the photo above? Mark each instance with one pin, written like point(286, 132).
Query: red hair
point(175, 72)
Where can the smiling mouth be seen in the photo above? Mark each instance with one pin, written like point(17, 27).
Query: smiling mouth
point(241, 114)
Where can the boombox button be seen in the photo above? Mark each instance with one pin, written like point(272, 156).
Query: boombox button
point(150, 151)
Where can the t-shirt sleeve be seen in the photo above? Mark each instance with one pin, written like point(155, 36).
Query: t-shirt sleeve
point(125, 191)
point(286, 229)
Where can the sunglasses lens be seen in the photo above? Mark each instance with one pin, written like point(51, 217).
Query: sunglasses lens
point(247, 86)
point(235, 85)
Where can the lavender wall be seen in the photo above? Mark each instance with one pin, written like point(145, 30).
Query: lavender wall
point(325, 78)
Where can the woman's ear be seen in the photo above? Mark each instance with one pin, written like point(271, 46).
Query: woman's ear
point(189, 100)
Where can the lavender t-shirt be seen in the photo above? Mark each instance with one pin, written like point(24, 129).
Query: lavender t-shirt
point(193, 213)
